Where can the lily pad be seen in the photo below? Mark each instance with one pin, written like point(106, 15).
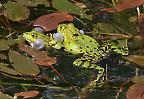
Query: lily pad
point(4, 44)
point(23, 64)
point(138, 79)
point(33, 3)
point(50, 21)
point(101, 28)
point(136, 42)
point(37, 55)
point(69, 7)
point(27, 94)
point(136, 59)
point(5, 96)
point(16, 12)
point(125, 5)
point(136, 91)
point(106, 31)
point(6, 69)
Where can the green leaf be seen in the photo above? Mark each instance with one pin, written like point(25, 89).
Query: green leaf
point(6, 69)
point(23, 64)
point(69, 7)
point(16, 12)
point(4, 44)
point(33, 3)
point(101, 28)
point(108, 31)
point(5, 96)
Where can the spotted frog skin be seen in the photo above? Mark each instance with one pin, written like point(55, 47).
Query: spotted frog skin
point(76, 43)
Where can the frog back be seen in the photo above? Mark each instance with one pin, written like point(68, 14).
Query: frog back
point(75, 42)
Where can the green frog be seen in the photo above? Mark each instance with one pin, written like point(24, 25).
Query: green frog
point(77, 43)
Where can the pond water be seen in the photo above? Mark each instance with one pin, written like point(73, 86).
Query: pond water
point(41, 64)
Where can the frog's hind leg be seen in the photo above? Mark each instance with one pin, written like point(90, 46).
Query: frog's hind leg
point(99, 76)
point(94, 83)
point(86, 63)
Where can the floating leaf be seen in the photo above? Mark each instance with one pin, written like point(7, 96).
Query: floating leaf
point(38, 55)
point(136, 91)
point(5, 96)
point(16, 12)
point(136, 42)
point(112, 36)
point(138, 79)
point(23, 64)
point(4, 44)
point(125, 5)
point(101, 28)
point(107, 31)
point(141, 24)
point(44, 63)
point(6, 69)
point(120, 25)
point(27, 94)
point(69, 7)
point(33, 3)
point(50, 21)
point(136, 59)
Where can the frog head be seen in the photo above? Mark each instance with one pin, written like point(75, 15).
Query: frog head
point(56, 40)
point(35, 36)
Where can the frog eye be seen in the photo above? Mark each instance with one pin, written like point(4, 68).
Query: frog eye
point(39, 44)
point(82, 31)
point(58, 37)
point(39, 29)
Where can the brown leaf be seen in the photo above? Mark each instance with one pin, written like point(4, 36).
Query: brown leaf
point(136, 91)
point(45, 63)
point(50, 21)
point(136, 59)
point(141, 24)
point(125, 5)
point(38, 55)
point(27, 94)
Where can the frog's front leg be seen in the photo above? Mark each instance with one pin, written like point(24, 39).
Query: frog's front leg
point(86, 62)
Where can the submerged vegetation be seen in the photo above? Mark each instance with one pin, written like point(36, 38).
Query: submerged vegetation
point(67, 49)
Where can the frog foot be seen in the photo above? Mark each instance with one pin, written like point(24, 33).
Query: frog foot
point(87, 64)
point(97, 82)
point(100, 71)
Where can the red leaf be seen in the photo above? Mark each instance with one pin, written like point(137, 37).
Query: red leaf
point(45, 63)
point(141, 24)
point(136, 91)
point(38, 55)
point(50, 21)
point(125, 5)
point(27, 94)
